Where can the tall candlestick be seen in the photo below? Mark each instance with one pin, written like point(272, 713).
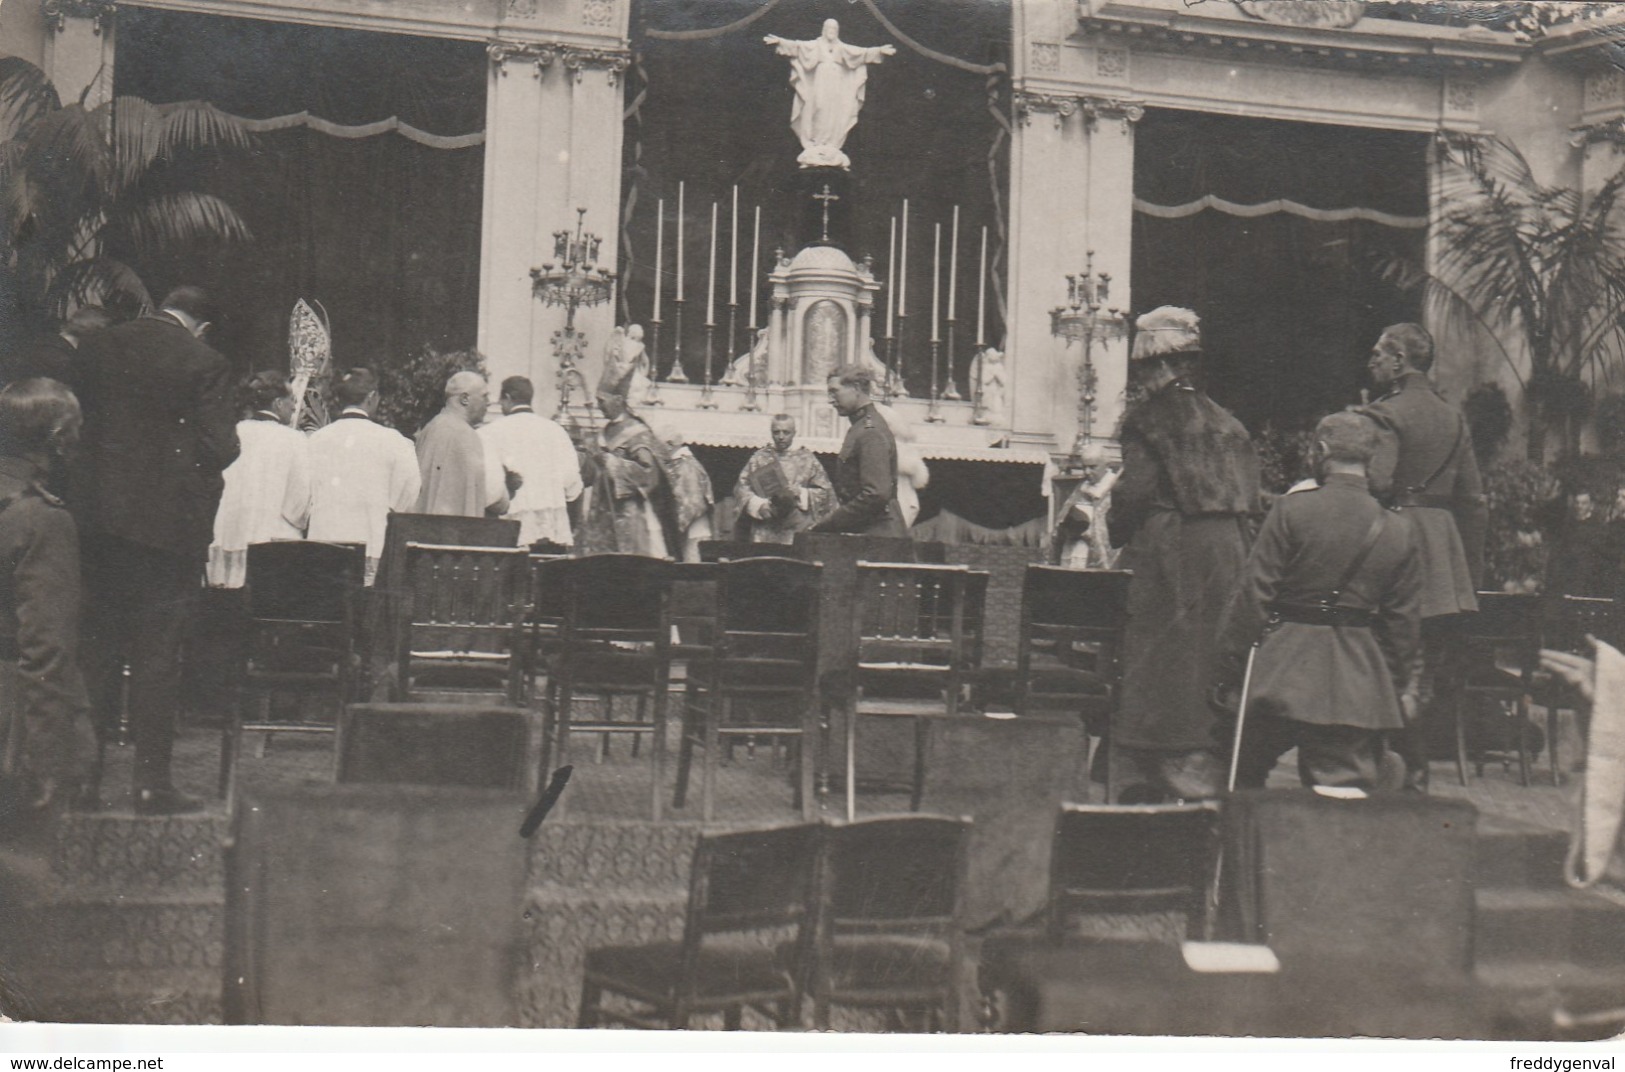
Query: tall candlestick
point(733, 254)
point(902, 270)
point(891, 277)
point(660, 247)
point(679, 241)
point(711, 275)
point(981, 292)
point(953, 263)
point(936, 279)
point(755, 267)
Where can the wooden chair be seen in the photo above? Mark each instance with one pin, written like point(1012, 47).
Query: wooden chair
point(742, 887)
point(765, 647)
point(1507, 628)
point(615, 641)
point(301, 605)
point(1573, 618)
point(1070, 653)
point(889, 933)
point(1133, 858)
point(465, 612)
point(917, 636)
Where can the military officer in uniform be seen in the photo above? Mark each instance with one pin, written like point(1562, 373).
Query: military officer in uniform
point(1331, 593)
point(1424, 467)
point(44, 713)
point(866, 478)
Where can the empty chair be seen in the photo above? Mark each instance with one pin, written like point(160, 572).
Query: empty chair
point(764, 651)
point(914, 652)
point(889, 932)
point(745, 889)
point(1505, 632)
point(1070, 653)
point(615, 641)
point(464, 615)
point(300, 598)
point(1133, 859)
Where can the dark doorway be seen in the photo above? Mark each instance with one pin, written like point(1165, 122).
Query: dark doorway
point(1290, 304)
point(382, 230)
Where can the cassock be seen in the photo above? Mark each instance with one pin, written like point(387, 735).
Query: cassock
point(542, 454)
point(267, 497)
point(691, 502)
point(1181, 510)
point(1334, 674)
point(625, 478)
point(460, 478)
point(361, 472)
point(803, 476)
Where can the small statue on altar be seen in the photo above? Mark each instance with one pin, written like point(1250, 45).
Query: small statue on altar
point(748, 364)
point(883, 374)
point(994, 379)
point(829, 77)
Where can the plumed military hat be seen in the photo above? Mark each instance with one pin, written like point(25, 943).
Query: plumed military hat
point(1166, 330)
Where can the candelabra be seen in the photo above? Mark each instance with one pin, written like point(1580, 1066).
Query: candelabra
point(1087, 316)
point(706, 399)
point(572, 279)
point(932, 416)
point(651, 397)
point(979, 406)
point(951, 393)
point(677, 375)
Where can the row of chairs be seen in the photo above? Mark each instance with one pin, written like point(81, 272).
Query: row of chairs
point(745, 634)
point(867, 914)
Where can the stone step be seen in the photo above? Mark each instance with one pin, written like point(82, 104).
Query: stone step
point(100, 930)
point(177, 996)
point(1513, 854)
point(131, 853)
point(1560, 924)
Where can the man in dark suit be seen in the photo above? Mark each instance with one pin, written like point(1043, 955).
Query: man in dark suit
point(159, 430)
point(56, 357)
point(866, 475)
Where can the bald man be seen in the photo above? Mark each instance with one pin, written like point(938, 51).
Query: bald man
point(458, 477)
point(783, 489)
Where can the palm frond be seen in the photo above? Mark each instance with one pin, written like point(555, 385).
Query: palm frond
point(1444, 306)
point(25, 95)
point(145, 133)
point(164, 222)
point(95, 280)
point(67, 148)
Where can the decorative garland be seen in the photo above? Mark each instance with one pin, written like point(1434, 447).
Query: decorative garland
point(355, 130)
point(1267, 208)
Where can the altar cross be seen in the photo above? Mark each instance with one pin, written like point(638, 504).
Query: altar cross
point(826, 197)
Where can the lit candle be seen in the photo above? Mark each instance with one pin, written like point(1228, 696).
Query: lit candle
point(902, 268)
point(891, 277)
point(679, 241)
point(733, 254)
point(953, 263)
point(711, 275)
point(660, 247)
point(755, 265)
point(936, 278)
point(981, 291)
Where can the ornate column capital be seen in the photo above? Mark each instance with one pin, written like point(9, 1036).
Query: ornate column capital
point(1611, 131)
point(541, 56)
point(1097, 108)
point(613, 61)
point(1063, 106)
point(1029, 104)
point(58, 12)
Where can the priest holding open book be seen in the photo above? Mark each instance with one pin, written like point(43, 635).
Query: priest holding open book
point(783, 489)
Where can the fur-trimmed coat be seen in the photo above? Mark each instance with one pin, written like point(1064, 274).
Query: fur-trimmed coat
point(1184, 507)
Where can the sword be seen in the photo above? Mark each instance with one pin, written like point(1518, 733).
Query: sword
point(1241, 718)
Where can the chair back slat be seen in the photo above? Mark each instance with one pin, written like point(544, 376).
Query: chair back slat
point(615, 596)
point(751, 879)
point(917, 613)
point(895, 873)
point(1162, 851)
point(1577, 617)
point(464, 598)
point(302, 580)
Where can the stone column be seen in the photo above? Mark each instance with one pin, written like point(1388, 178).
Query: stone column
point(553, 145)
point(1110, 125)
point(78, 54)
point(1048, 236)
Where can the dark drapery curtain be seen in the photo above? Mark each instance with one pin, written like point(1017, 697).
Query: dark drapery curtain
point(1290, 306)
point(717, 113)
point(384, 232)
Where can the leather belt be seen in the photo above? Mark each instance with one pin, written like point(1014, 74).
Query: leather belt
point(1321, 614)
point(1436, 502)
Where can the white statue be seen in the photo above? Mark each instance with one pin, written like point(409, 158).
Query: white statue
point(883, 375)
point(994, 380)
point(829, 77)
